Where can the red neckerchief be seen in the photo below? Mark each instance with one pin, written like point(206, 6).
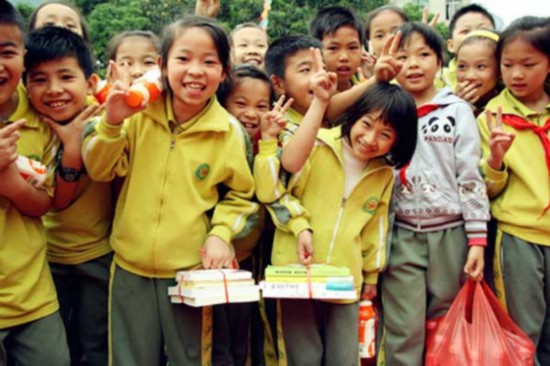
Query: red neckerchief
point(519, 123)
point(420, 112)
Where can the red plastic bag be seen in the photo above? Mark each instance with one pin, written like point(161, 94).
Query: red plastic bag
point(477, 331)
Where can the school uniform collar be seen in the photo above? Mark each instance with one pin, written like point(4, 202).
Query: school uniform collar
point(513, 106)
point(294, 116)
point(212, 118)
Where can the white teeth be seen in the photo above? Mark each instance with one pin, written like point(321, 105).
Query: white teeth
point(57, 104)
point(194, 86)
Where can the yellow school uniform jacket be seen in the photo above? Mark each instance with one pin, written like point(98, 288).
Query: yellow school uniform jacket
point(169, 202)
point(80, 232)
point(449, 76)
point(520, 192)
point(346, 232)
point(27, 291)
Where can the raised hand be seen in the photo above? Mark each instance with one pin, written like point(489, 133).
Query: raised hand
point(467, 91)
point(387, 67)
point(207, 8)
point(425, 16)
point(8, 147)
point(274, 121)
point(116, 107)
point(500, 141)
point(366, 70)
point(322, 83)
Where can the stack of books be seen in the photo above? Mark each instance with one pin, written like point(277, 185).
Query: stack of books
point(322, 282)
point(214, 286)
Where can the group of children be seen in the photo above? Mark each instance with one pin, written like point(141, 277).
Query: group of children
point(305, 150)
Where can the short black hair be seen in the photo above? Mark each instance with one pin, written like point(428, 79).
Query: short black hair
point(238, 73)
point(329, 20)
point(174, 30)
point(83, 24)
point(430, 35)
point(53, 43)
point(471, 8)
point(397, 109)
point(282, 48)
point(116, 41)
point(373, 14)
point(9, 15)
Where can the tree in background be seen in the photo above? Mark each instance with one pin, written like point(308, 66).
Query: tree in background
point(107, 18)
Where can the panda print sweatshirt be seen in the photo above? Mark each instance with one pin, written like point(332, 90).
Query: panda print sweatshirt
point(442, 187)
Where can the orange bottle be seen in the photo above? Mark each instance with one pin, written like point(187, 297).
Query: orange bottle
point(32, 171)
point(367, 334)
point(145, 89)
point(102, 90)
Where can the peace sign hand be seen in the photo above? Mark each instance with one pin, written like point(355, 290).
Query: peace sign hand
point(387, 67)
point(322, 83)
point(274, 121)
point(500, 141)
point(426, 14)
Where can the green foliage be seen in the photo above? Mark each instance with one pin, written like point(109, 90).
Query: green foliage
point(25, 10)
point(109, 19)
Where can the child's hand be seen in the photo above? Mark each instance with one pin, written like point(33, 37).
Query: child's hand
point(499, 140)
point(8, 147)
point(366, 70)
point(475, 262)
point(323, 83)
point(368, 292)
point(305, 246)
point(71, 133)
point(207, 8)
point(426, 14)
point(467, 91)
point(274, 121)
point(216, 254)
point(115, 106)
point(387, 67)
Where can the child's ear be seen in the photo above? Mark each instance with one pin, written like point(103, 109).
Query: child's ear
point(451, 46)
point(278, 84)
point(92, 82)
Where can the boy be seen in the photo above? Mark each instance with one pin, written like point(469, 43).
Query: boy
point(31, 330)
point(342, 34)
point(295, 67)
point(59, 78)
point(466, 19)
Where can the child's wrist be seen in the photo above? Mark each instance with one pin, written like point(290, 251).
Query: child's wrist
point(494, 163)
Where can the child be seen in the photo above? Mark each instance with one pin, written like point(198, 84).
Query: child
point(381, 23)
point(31, 329)
point(174, 155)
point(477, 68)
point(247, 94)
point(248, 45)
point(349, 224)
point(516, 166)
point(441, 208)
point(341, 33)
point(61, 14)
point(466, 19)
point(133, 53)
point(59, 80)
point(295, 66)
